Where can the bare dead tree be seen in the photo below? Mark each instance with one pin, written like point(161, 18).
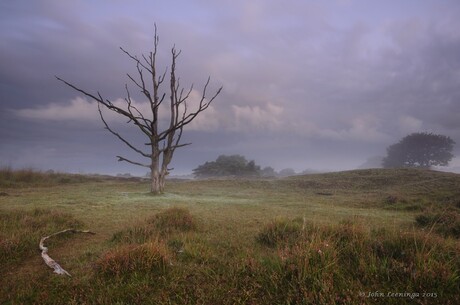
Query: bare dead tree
point(162, 143)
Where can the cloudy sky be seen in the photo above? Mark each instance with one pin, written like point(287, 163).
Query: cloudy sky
point(307, 84)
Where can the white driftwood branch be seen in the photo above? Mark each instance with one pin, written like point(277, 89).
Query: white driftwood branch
point(48, 260)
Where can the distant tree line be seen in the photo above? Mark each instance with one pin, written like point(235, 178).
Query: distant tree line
point(239, 166)
point(422, 150)
point(234, 165)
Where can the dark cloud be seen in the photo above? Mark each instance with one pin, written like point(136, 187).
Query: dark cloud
point(306, 84)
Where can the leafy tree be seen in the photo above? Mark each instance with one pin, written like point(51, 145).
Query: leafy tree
point(268, 171)
point(420, 150)
point(286, 172)
point(162, 136)
point(234, 165)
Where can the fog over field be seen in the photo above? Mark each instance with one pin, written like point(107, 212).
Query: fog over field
point(321, 85)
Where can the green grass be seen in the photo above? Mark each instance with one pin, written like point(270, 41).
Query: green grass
point(314, 239)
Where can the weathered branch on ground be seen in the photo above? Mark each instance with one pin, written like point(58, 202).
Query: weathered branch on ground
point(48, 260)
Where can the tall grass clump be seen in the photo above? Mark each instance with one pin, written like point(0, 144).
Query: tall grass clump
point(10, 178)
point(149, 258)
point(174, 219)
point(341, 264)
point(20, 231)
point(446, 223)
point(135, 235)
point(280, 231)
point(31, 177)
point(171, 220)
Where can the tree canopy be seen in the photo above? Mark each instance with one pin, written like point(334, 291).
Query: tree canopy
point(234, 165)
point(420, 150)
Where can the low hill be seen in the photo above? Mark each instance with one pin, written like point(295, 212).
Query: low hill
point(380, 179)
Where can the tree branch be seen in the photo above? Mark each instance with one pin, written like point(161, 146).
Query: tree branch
point(139, 116)
point(136, 60)
point(120, 158)
point(120, 137)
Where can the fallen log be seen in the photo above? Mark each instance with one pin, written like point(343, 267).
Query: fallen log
point(48, 260)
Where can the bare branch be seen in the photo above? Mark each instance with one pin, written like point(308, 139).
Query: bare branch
point(161, 78)
point(187, 118)
point(180, 145)
point(139, 116)
point(182, 99)
point(109, 105)
point(136, 83)
point(136, 60)
point(120, 137)
point(120, 158)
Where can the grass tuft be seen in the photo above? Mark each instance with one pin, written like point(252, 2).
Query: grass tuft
point(30, 177)
point(280, 231)
point(174, 219)
point(446, 223)
point(151, 257)
point(169, 221)
point(135, 235)
point(332, 264)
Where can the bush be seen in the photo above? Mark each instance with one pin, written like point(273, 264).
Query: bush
point(234, 165)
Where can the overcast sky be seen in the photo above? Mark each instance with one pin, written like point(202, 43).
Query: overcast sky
point(307, 84)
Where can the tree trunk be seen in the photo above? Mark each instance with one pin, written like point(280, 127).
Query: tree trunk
point(157, 186)
point(162, 182)
point(157, 179)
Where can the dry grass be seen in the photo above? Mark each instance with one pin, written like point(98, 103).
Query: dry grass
point(20, 231)
point(150, 257)
point(256, 241)
point(10, 178)
point(173, 220)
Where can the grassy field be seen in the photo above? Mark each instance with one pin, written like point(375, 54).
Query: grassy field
point(357, 237)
